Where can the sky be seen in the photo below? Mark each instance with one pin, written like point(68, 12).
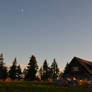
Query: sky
point(48, 29)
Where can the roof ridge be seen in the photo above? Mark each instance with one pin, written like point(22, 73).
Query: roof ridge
point(83, 60)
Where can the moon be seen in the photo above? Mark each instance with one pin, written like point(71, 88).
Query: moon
point(22, 10)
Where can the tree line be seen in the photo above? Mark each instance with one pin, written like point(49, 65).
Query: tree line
point(31, 72)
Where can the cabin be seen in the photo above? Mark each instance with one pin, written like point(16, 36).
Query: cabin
point(79, 69)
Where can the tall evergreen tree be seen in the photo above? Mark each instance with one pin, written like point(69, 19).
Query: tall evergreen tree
point(3, 69)
point(18, 73)
point(65, 74)
point(45, 75)
point(66, 68)
point(54, 70)
point(13, 70)
point(31, 69)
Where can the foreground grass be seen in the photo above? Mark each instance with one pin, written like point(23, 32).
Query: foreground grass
point(37, 87)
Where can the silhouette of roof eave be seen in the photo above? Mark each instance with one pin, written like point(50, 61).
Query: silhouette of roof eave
point(83, 60)
point(84, 63)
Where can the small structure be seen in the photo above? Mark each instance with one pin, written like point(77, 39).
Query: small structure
point(78, 69)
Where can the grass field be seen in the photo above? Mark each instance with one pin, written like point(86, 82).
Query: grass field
point(37, 87)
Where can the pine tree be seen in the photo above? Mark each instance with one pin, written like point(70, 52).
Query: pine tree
point(66, 68)
point(3, 69)
point(13, 70)
point(65, 74)
point(18, 72)
point(54, 70)
point(3, 72)
point(32, 69)
point(45, 75)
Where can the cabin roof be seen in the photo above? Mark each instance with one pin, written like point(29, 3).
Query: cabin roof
point(84, 63)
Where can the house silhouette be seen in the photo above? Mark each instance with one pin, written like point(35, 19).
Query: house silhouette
point(78, 68)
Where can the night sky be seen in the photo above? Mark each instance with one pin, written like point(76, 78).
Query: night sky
point(48, 29)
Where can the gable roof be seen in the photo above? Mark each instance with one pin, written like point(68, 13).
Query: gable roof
point(84, 63)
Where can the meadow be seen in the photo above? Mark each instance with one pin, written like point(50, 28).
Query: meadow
point(27, 86)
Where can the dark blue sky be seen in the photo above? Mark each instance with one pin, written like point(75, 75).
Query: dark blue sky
point(48, 29)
